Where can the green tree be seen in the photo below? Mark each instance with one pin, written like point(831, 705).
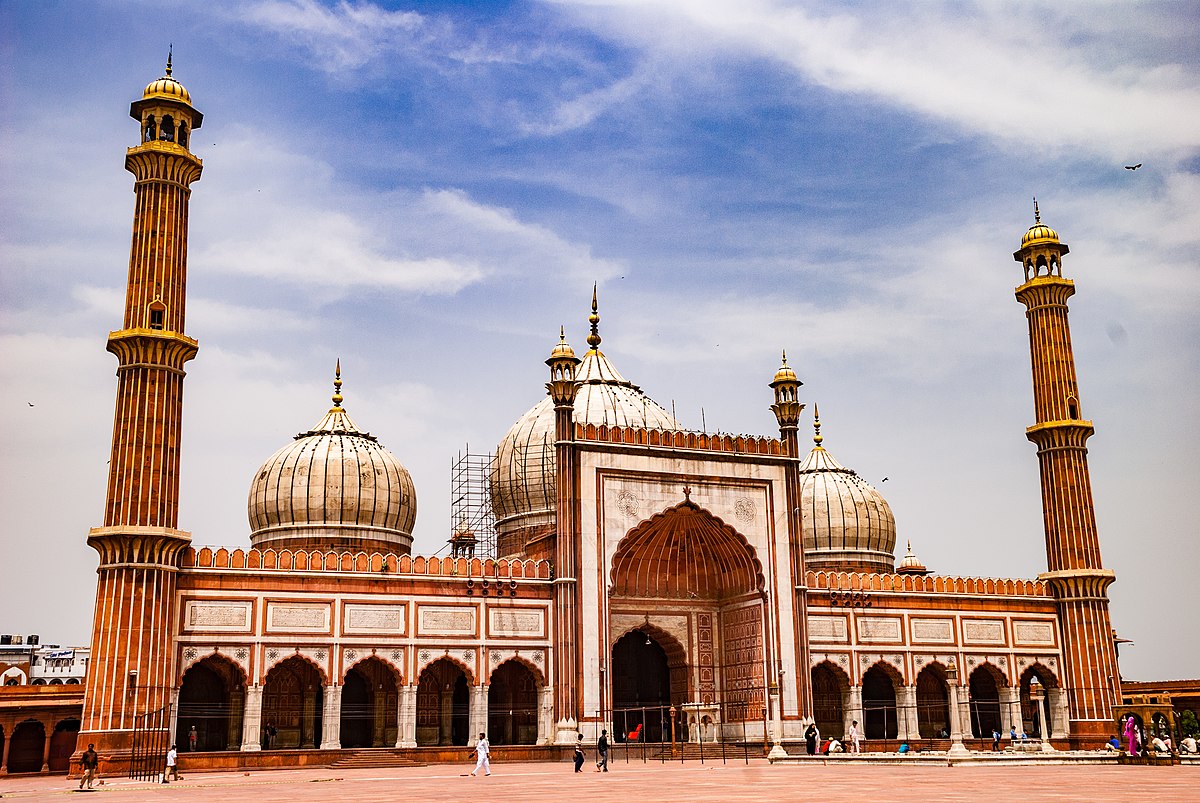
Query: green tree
point(1188, 724)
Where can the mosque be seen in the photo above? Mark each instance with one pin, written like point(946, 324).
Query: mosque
point(656, 582)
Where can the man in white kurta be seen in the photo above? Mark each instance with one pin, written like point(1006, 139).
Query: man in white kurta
point(482, 748)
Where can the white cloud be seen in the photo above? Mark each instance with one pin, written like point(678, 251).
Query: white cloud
point(1011, 72)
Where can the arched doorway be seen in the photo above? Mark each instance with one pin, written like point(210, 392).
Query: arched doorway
point(985, 703)
point(829, 688)
point(880, 719)
point(686, 557)
point(370, 705)
point(211, 701)
point(62, 744)
point(443, 704)
point(512, 704)
point(1038, 720)
point(642, 667)
point(933, 704)
point(293, 697)
point(28, 744)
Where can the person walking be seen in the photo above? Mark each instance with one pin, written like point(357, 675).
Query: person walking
point(193, 737)
point(482, 749)
point(995, 740)
point(811, 737)
point(602, 752)
point(172, 765)
point(579, 754)
point(854, 736)
point(88, 762)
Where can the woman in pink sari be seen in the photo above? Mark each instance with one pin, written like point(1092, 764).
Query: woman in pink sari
point(1131, 735)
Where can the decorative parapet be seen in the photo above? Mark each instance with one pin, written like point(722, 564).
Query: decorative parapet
point(933, 584)
point(680, 439)
point(285, 560)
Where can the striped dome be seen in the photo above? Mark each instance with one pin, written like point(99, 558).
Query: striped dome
point(522, 480)
point(333, 487)
point(848, 525)
point(1039, 233)
point(167, 87)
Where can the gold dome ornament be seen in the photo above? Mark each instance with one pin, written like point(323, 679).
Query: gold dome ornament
point(167, 87)
point(1039, 232)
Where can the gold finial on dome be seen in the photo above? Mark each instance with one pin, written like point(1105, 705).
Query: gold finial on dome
point(593, 339)
point(562, 349)
point(817, 438)
point(785, 373)
point(337, 384)
point(170, 52)
point(1037, 215)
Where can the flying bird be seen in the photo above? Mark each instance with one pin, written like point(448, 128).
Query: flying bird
point(1133, 167)
point(29, 403)
point(885, 479)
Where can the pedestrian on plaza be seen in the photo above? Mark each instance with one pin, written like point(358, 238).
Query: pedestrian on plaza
point(193, 737)
point(602, 752)
point(172, 765)
point(88, 762)
point(854, 736)
point(812, 735)
point(1131, 735)
point(995, 740)
point(579, 754)
point(482, 749)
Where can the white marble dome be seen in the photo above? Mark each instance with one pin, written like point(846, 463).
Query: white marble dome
point(333, 487)
point(522, 478)
point(848, 525)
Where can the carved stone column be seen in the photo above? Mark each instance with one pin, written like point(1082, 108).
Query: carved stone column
point(407, 717)
point(252, 720)
point(908, 727)
point(331, 718)
point(854, 710)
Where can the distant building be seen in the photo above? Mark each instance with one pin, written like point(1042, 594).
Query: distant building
point(25, 661)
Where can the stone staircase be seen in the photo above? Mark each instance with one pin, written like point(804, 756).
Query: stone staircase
point(376, 758)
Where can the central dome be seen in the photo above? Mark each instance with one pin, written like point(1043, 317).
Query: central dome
point(333, 488)
point(522, 478)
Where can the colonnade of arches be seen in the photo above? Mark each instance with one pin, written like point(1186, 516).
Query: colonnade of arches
point(37, 744)
point(297, 708)
point(887, 707)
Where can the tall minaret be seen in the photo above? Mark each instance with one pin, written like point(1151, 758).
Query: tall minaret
point(1076, 574)
point(568, 650)
point(130, 674)
point(787, 409)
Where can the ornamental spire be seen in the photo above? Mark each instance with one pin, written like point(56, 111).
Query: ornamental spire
point(593, 339)
point(337, 385)
point(170, 52)
point(1037, 215)
point(817, 438)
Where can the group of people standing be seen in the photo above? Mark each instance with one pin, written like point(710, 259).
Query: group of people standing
point(813, 744)
point(1161, 745)
point(601, 753)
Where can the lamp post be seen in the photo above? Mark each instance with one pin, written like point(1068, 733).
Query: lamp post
point(1037, 693)
point(957, 748)
point(672, 730)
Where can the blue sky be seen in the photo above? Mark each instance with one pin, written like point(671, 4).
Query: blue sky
point(429, 190)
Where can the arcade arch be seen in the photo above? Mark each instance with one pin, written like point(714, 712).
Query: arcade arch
point(292, 703)
point(370, 705)
point(986, 715)
point(211, 700)
point(443, 704)
point(513, 704)
point(933, 703)
point(1038, 720)
point(831, 691)
point(880, 685)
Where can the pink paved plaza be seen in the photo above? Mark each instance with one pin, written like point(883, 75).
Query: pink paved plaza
point(636, 782)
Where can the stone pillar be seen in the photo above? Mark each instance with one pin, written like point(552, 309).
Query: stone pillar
point(907, 726)
point(777, 750)
point(477, 716)
point(407, 717)
point(446, 719)
point(331, 718)
point(233, 735)
point(9, 727)
point(956, 730)
point(1056, 703)
point(252, 720)
point(545, 713)
point(1010, 700)
point(46, 748)
point(852, 710)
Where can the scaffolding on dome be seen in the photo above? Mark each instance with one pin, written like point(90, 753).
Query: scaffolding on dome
point(472, 523)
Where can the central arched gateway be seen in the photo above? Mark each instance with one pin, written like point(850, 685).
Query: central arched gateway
point(697, 586)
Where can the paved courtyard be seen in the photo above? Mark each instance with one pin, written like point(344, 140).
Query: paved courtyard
point(637, 782)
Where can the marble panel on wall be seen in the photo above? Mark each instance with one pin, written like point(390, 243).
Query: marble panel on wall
point(983, 631)
point(879, 629)
point(445, 621)
point(1034, 633)
point(522, 622)
point(298, 617)
point(367, 618)
point(224, 616)
point(827, 628)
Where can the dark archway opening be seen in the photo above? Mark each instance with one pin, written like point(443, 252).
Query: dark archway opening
point(828, 688)
point(28, 743)
point(933, 704)
point(985, 704)
point(210, 704)
point(1037, 717)
point(443, 707)
point(369, 706)
point(641, 681)
point(879, 705)
point(62, 744)
point(512, 705)
point(293, 698)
